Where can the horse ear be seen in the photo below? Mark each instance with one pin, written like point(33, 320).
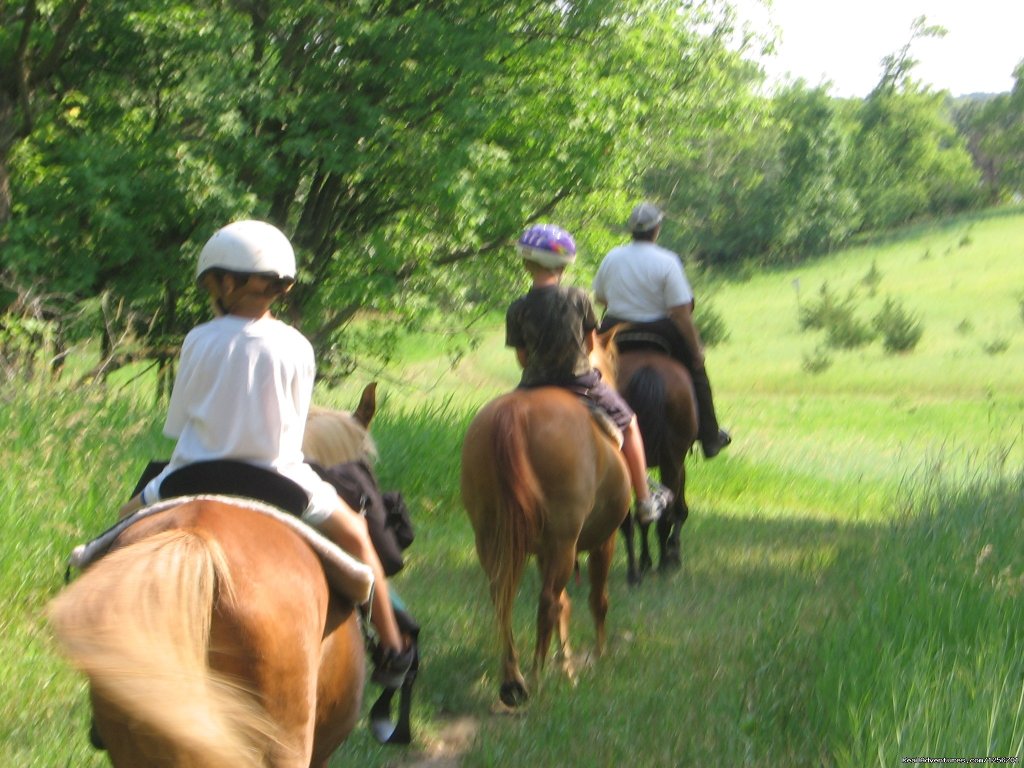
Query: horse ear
point(607, 339)
point(367, 405)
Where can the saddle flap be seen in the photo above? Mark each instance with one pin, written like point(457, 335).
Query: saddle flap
point(607, 425)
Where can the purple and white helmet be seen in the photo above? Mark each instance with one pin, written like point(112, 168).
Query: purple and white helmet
point(550, 246)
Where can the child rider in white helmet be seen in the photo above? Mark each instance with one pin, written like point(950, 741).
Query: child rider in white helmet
point(242, 391)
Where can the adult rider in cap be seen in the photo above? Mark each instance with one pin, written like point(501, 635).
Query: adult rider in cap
point(643, 284)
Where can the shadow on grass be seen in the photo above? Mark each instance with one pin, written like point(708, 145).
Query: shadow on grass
point(723, 644)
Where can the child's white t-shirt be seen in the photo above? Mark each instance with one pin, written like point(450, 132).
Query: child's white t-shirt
point(243, 391)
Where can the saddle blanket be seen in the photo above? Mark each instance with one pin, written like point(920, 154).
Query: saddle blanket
point(345, 574)
point(604, 421)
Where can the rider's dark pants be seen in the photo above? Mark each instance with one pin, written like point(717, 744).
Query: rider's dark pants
point(707, 429)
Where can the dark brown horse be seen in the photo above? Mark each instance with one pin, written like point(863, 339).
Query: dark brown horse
point(660, 390)
point(210, 637)
point(540, 477)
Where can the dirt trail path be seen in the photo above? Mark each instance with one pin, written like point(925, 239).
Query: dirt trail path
point(446, 750)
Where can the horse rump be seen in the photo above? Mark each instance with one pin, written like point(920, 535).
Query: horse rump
point(138, 624)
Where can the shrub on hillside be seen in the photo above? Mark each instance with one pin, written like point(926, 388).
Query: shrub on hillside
point(846, 331)
point(996, 346)
point(872, 278)
point(900, 330)
point(814, 316)
point(710, 324)
point(817, 361)
point(837, 317)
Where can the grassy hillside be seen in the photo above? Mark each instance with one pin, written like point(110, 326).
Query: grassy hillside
point(852, 578)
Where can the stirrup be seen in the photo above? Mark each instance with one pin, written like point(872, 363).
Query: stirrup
point(389, 667)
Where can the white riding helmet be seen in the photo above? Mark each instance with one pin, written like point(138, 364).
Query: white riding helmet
point(249, 247)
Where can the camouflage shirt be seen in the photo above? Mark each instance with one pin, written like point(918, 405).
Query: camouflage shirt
point(552, 324)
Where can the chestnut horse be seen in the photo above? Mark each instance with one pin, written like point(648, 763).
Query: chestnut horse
point(541, 477)
point(210, 637)
point(659, 389)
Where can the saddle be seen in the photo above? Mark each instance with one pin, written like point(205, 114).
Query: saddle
point(226, 477)
point(597, 413)
point(386, 513)
point(253, 488)
point(635, 339)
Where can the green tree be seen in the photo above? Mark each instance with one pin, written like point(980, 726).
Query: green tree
point(815, 208)
point(995, 135)
point(36, 45)
point(907, 159)
point(401, 145)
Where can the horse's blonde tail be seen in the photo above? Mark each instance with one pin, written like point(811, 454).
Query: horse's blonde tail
point(138, 624)
point(520, 508)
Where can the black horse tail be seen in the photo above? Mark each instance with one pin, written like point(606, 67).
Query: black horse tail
point(646, 395)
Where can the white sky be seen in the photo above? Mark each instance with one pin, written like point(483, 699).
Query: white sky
point(843, 41)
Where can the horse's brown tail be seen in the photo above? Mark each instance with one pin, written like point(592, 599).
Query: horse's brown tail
point(138, 624)
point(518, 518)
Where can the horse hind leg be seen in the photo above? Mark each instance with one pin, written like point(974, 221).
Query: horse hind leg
point(634, 574)
point(563, 652)
point(513, 692)
point(553, 609)
point(670, 526)
point(599, 566)
point(646, 563)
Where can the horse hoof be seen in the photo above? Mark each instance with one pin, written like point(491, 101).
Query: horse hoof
point(670, 564)
point(634, 579)
point(95, 739)
point(513, 694)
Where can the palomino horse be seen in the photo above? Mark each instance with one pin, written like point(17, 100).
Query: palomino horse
point(541, 477)
point(210, 637)
point(660, 390)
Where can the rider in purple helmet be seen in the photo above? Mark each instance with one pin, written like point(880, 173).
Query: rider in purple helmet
point(552, 329)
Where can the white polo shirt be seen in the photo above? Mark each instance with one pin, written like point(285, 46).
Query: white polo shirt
point(641, 281)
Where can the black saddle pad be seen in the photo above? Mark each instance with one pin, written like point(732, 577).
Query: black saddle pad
point(229, 478)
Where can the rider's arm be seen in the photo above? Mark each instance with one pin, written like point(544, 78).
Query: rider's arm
point(682, 316)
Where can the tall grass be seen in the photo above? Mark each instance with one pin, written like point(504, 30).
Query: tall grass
point(67, 459)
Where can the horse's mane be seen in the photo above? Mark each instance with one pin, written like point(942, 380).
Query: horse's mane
point(333, 437)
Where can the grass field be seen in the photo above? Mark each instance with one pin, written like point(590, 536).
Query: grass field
point(851, 592)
